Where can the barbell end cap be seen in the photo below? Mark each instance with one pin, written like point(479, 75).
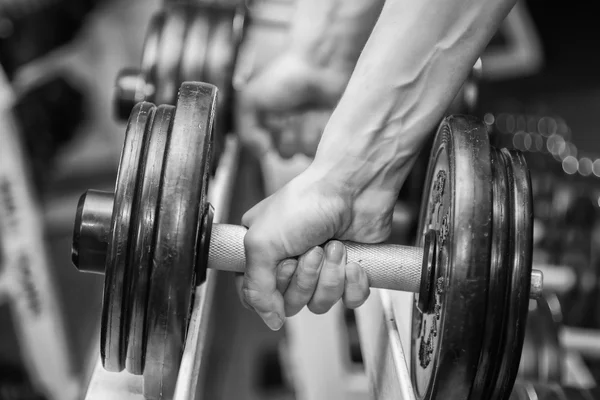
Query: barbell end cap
point(91, 231)
point(130, 89)
point(537, 284)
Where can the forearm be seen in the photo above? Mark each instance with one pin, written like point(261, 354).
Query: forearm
point(333, 30)
point(411, 68)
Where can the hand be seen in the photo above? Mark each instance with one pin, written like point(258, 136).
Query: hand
point(292, 88)
point(294, 222)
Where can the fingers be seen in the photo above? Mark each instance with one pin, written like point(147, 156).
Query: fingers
point(330, 286)
point(259, 287)
point(285, 272)
point(357, 289)
point(304, 281)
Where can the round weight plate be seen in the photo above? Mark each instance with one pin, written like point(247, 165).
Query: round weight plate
point(142, 234)
point(520, 253)
point(170, 54)
point(457, 203)
point(491, 351)
point(193, 59)
point(112, 333)
point(150, 57)
point(182, 201)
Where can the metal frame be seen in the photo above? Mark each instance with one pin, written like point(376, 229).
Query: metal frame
point(26, 280)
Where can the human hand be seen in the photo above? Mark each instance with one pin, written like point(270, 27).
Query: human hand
point(286, 105)
point(295, 222)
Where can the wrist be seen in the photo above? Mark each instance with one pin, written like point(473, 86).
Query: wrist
point(356, 171)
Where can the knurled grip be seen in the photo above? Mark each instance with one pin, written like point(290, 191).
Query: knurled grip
point(387, 266)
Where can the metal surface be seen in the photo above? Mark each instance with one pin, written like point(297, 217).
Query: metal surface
point(185, 42)
point(142, 235)
point(495, 321)
point(527, 390)
point(112, 338)
point(387, 266)
point(519, 267)
point(458, 205)
point(543, 353)
point(92, 229)
point(182, 202)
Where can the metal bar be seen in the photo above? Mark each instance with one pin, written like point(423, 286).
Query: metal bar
point(380, 332)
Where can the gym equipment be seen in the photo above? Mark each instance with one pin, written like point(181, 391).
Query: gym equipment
point(192, 41)
point(527, 390)
point(154, 239)
point(543, 353)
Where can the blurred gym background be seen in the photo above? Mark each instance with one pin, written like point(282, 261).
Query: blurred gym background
point(539, 92)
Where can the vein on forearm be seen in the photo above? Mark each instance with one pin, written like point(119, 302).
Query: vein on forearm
point(412, 66)
point(333, 30)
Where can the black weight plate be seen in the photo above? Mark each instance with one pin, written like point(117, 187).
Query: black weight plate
point(182, 201)
point(491, 350)
point(457, 203)
point(193, 59)
point(520, 251)
point(150, 57)
point(142, 234)
point(112, 332)
point(170, 54)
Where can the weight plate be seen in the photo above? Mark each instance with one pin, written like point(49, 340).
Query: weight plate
point(142, 235)
point(193, 58)
point(520, 245)
point(182, 201)
point(491, 352)
point(457, 203)
point(112, 332)
point(170, 54)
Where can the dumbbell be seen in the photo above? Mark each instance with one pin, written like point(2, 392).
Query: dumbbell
point(153, 239)
point(191, 41)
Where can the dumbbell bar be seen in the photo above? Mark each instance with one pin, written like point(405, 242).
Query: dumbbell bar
point(155, 238)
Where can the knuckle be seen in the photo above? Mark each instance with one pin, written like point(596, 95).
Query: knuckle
point(331, 284)
point(305, 283)
point(252, 296)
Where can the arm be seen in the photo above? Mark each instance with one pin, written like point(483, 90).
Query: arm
point(408, 73)
point(333, 31)
point(312, 71)
point(412, 66)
